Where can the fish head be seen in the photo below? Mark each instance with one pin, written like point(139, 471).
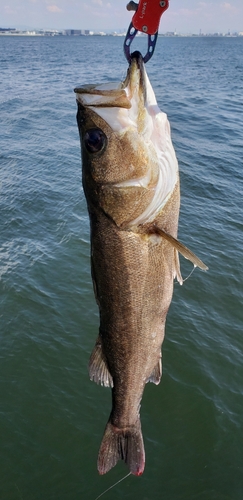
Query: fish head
point(129, 164)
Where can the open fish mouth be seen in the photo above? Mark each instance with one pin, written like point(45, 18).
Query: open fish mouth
point(108, 93)
point(131, 97)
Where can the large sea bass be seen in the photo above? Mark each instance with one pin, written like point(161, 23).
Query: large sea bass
point(131, 183)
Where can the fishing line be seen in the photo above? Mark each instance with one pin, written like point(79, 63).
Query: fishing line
point(187, 278)
point(120, 480)
point(189, 275)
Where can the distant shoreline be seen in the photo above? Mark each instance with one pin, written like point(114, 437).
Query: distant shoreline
point(162, 35)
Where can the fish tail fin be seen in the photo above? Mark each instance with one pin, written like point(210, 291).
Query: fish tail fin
point(122, 444)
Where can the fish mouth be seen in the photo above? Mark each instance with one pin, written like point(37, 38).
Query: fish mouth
point(136, 76)
point(124, 105)
point(117, 95)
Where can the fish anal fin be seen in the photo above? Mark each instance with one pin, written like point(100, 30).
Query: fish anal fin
point(156, 373)
point(98, 370)
point(188, 254)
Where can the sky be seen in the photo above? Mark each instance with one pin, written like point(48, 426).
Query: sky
point(183, 16)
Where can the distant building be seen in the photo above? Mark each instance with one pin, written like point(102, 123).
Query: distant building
point(170, 33)
point(73, 32)
point(7, 29)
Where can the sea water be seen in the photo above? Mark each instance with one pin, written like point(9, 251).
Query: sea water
point(51, 416)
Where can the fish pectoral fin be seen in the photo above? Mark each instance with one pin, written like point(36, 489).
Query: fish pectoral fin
point(156, 373)
point(188, 254)
point(98, 370)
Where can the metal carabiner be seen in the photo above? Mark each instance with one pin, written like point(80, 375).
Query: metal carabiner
point(131, 33)
point(146, 19)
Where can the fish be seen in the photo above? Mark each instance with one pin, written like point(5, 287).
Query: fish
point(131, 183)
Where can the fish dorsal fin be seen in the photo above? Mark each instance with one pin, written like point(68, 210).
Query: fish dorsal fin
point(98, 370)
point(156, 373)
point(188, 254)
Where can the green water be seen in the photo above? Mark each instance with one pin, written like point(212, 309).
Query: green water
point(52, 416)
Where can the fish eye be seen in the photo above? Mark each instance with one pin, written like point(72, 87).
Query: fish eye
point(94, 140)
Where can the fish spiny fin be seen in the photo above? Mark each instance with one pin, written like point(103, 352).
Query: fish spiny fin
point(98, 371)
point(177, 274)
point(156, 373)
point(122, 444)
point(188, 254)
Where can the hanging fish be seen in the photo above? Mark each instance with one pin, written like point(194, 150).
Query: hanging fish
point(131, 183)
